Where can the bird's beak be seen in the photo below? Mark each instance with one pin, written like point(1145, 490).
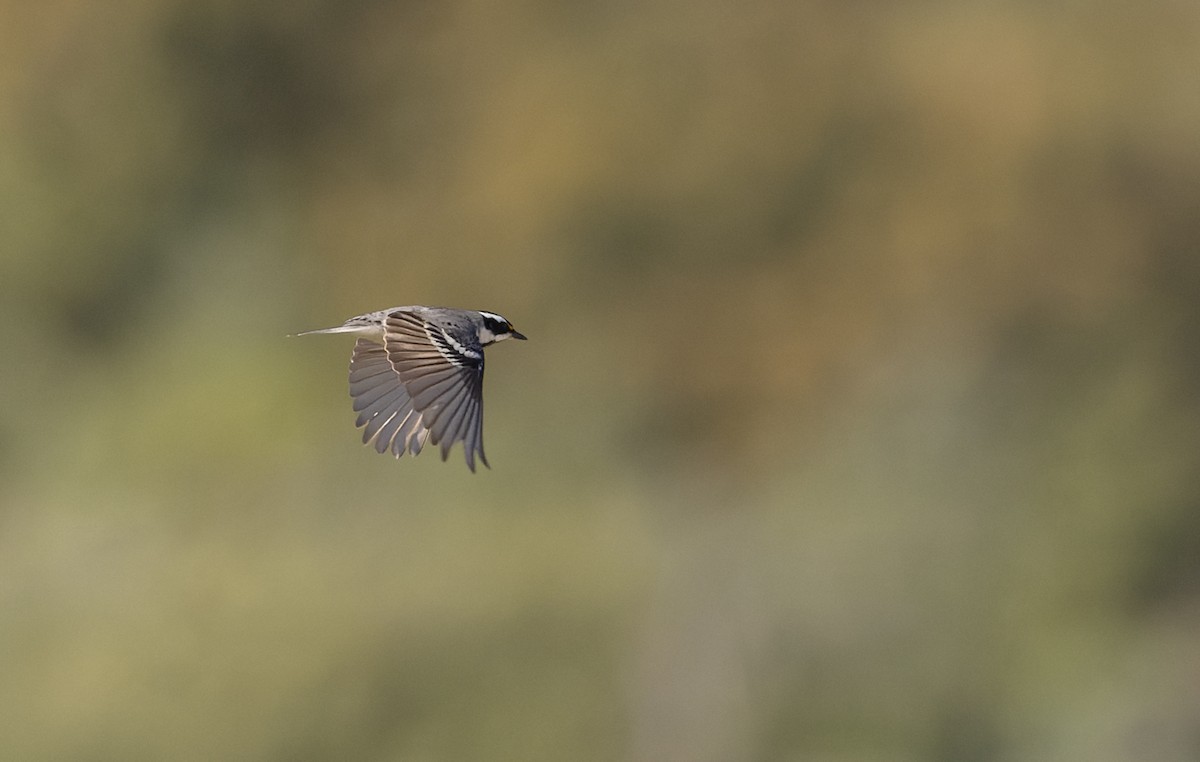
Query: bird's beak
point(520, 336)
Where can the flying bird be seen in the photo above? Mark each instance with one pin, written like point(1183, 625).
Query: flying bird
point(416, 376)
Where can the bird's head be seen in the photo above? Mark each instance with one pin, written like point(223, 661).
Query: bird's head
point(496, 328)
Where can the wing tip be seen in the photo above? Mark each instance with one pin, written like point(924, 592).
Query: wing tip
point(470, 453)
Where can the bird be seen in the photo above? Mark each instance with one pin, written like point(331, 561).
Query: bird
point(416, 376)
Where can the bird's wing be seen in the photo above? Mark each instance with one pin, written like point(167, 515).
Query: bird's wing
point(385, 411)
point(421, 384)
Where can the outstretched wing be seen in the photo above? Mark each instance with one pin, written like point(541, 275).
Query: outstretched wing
point(421, 385)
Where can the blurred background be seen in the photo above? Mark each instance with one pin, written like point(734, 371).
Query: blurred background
point(860, 418)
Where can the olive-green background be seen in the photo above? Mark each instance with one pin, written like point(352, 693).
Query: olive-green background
point(859, 420)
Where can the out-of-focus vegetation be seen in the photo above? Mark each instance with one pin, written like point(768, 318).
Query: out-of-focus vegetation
point(860, 418)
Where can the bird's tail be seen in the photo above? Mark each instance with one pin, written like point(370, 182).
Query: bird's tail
point(335, 329)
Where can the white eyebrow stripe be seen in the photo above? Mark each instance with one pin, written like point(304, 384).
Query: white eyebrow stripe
point(493, 316)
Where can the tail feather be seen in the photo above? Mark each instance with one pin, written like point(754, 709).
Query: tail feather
point(335, 329)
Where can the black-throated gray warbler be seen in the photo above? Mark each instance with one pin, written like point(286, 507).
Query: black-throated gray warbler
point(416, 376)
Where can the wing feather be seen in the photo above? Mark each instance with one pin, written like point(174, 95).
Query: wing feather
point(369, 397)
point(387, 431)
point(379, 395)
point(447, 427)
point(393, 400)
